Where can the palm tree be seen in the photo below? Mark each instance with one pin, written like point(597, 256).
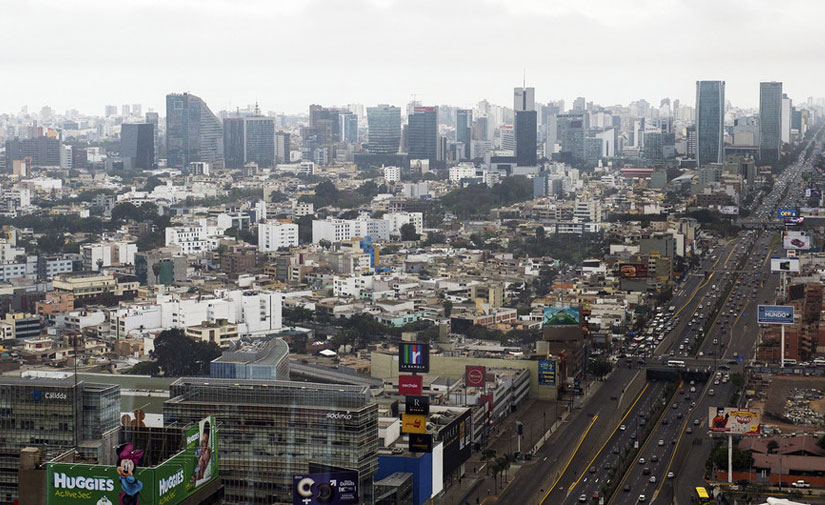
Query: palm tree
point(488, 455)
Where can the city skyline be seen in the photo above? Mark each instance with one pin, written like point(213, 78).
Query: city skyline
point(136, 68)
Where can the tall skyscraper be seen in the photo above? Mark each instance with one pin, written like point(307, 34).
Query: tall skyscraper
point(137, 145)
point(282, 147)
point(259, 140)
point(153, 118)
point(125, 110)
point(137, 109)
point(422, 133)
point(579, 104)
point(349, 127)
point(710, 122)
point(233, 141)
point(570, 130)
point(193, 132)
point(524, 104)
point(384, 124)
point(770, 121)
point(787, 106)
point(463, 130)
point(111, 110)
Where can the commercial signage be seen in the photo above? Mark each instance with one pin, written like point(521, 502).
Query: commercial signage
point(169, 483)
point(811, 211)
point(421, 442)
point(797, 240)
point(333, 488)
point(418, 405)
point(784, 264)
point(547, 373)
point(413, 423)
point(633, 270)
point(456, 439)
point(410, 384)
point(733, 420)
point(783, 213)
point(413, 357)
point(564, 315)
point(474, 376)
point(794, 221)
point(774, 314)
point(729, 210)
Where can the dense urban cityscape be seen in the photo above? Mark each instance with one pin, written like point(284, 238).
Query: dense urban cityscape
point(541, 301)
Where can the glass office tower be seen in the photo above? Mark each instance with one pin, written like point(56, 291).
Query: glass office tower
point(710, 122)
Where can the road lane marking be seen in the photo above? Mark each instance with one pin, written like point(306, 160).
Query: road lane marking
point(581, 440)
point(587, 467)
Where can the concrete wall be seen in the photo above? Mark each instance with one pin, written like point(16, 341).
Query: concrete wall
point(385, 366)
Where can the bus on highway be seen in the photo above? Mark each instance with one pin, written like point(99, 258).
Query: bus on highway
point(676, 363)
point(702, 494)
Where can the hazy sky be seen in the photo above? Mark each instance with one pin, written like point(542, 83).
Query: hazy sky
point(287, 54)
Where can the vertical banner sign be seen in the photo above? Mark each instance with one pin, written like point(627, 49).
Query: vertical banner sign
point(413, 357)
point(418, 405)
point(474, 376)
point(547, 373)
point(410, 384)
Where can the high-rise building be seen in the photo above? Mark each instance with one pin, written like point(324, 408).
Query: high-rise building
point(384, 124)
point(137, 109)
point(111, 110)
point(193, 132)
point(282, 147)
point(786, 115)
point(43, 151)
point(770, 121)
point(422, 133)
point(137, 145)
point(233, 142)
point(463, 130)
point(710, 122)
point(349, 128)
point(259, 140)
point(570, 130)
point(263, 421)
point(579, 104)
point(55, 416)
point(125, 110)
point(526, 125)
point(154, 119)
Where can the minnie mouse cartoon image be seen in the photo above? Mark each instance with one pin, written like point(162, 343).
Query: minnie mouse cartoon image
point(128, 460)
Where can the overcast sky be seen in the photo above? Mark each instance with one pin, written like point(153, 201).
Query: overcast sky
point(287, 54)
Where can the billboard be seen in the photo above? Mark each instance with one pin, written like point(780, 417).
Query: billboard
point(421, 442)
point(418, 405)
point(774, 314)
point(413, 423)
point(333, 488)
point(547, 373)
point(475, 376)
point(733, 420)
point(413, 357)
point(565, 315)
point(797, 240)
point(729, 210)
point(633, 270)
point(811, 212)
point(128, 483)
point(784, 264)
point(783, 213)
point(410, 384)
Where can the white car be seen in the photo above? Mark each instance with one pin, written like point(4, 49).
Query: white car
point(642, 498)
point(669, 475)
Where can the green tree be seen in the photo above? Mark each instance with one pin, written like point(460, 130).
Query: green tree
point(178, 355)
point(448, 308)
point(600, 367)
point(408, 232)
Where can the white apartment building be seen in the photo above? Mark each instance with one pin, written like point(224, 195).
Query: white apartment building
point(273, 235)
point(587, 211)
point(255, 312)
point(462, 171)
point(398, 219)
point(106, 254)
point(377, 229)
point(194, 238)
point(392, 174)
point(332, 230)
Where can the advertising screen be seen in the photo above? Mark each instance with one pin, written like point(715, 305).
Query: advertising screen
point(475, 375)
point(547, 373)
point(128, 483)
point(566, 315)
point(413, 423)
point(783, 213)
point(784, 264)
point(633, 270)
point(774, 314)
point(413, 357)
point(733, 420)
point(797, 240)
point(410, 384)
point(417, 405)
point(334, 488)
